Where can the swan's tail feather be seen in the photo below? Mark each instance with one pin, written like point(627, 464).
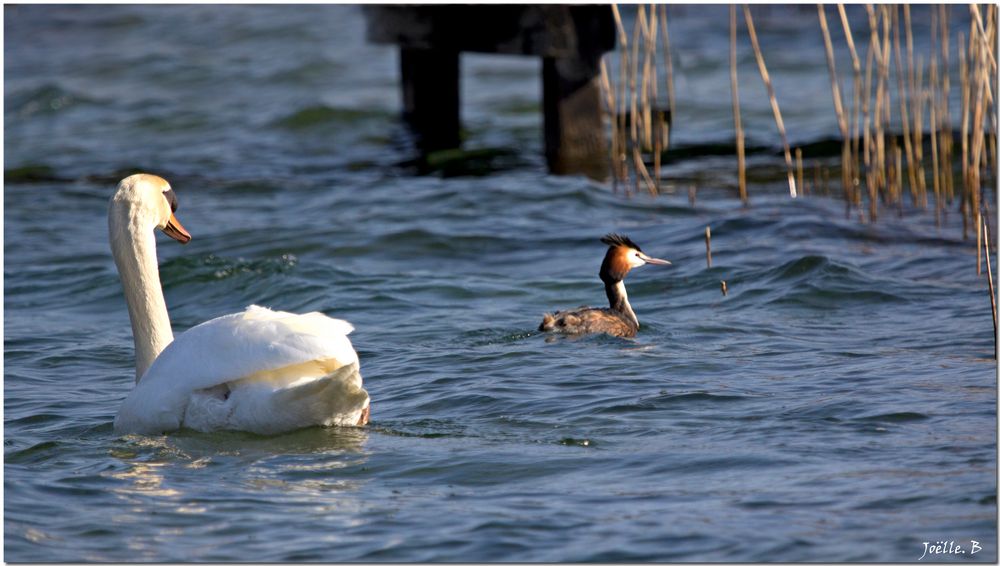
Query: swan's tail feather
point(270, 404)
point(336, 399)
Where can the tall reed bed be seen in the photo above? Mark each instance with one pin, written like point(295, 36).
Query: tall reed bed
point(886, 145)
point(641, 122)
point(896, 113)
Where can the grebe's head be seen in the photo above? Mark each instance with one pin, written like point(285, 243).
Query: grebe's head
point(146, 201)
point(623, 255)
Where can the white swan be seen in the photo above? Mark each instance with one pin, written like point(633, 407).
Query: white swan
point(259, 371)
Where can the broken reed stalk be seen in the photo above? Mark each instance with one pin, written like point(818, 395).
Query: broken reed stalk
point(748, 19)
point(737, 122)
point(838, 106)
point(708, 246)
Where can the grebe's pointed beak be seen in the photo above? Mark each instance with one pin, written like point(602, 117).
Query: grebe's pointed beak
point(175, 230)
point(653, 260)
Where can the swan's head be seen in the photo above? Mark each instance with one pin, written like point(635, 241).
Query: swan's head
point(623, 256)
point(148, 202)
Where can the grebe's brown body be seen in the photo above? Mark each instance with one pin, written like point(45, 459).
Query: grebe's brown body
point(618, 319)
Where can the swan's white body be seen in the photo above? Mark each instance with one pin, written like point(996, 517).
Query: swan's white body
point(259, 371)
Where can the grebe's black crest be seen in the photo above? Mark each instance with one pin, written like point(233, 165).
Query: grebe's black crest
point(620, 240)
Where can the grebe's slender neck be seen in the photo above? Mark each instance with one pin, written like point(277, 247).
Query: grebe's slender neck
point(618, 299)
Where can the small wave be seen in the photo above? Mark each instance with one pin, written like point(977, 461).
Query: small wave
point(816, 281)
point(323, 115)
point(46, 99)
point(666, 400)
point(40, 452)
point(807, 265)
point(901, 417)
point(187, 269)
point(815, 296)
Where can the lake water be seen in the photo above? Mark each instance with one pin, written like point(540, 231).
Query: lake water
point(839, 404)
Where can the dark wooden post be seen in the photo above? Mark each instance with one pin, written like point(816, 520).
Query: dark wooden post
point(431, 96)
point(574, 123)
point(570, 40)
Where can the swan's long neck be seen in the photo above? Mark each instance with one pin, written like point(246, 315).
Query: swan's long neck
point(134, 248)
point(618, 299)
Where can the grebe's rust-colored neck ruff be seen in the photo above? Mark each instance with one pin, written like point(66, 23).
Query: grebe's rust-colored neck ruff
point(618, 319)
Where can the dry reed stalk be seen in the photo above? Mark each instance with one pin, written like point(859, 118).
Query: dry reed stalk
point(977, 21)
point(798, 169)
point(645, 114)
point(737, 122)
point(980, 86)
point(945, 133)
point(621, 159)
point(855, 108)
point(612, 108)
point(838, 106)
point(989, 274)
point(899, 179)
point(668, 61)
point(653, 115)
point(915, 80)
point(963, 68)
point(856, 103)
point(903, 94)
point(748, 19)
point(885, 125)
point(867, 112)
point(708, 246)
point(634, 101)
point(918, 132)
point(935, 126)
point(639, 114)
point(725, 289)
point(979, 243)
point(880, 47)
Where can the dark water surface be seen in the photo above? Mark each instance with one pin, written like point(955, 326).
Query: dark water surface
point(838, 404)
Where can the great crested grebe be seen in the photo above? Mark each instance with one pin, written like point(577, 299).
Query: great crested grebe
point(619, 319)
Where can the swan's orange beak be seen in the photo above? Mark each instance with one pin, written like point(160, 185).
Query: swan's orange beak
point(175, 230)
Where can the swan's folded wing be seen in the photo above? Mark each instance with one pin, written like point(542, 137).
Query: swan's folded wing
point(252, 343)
